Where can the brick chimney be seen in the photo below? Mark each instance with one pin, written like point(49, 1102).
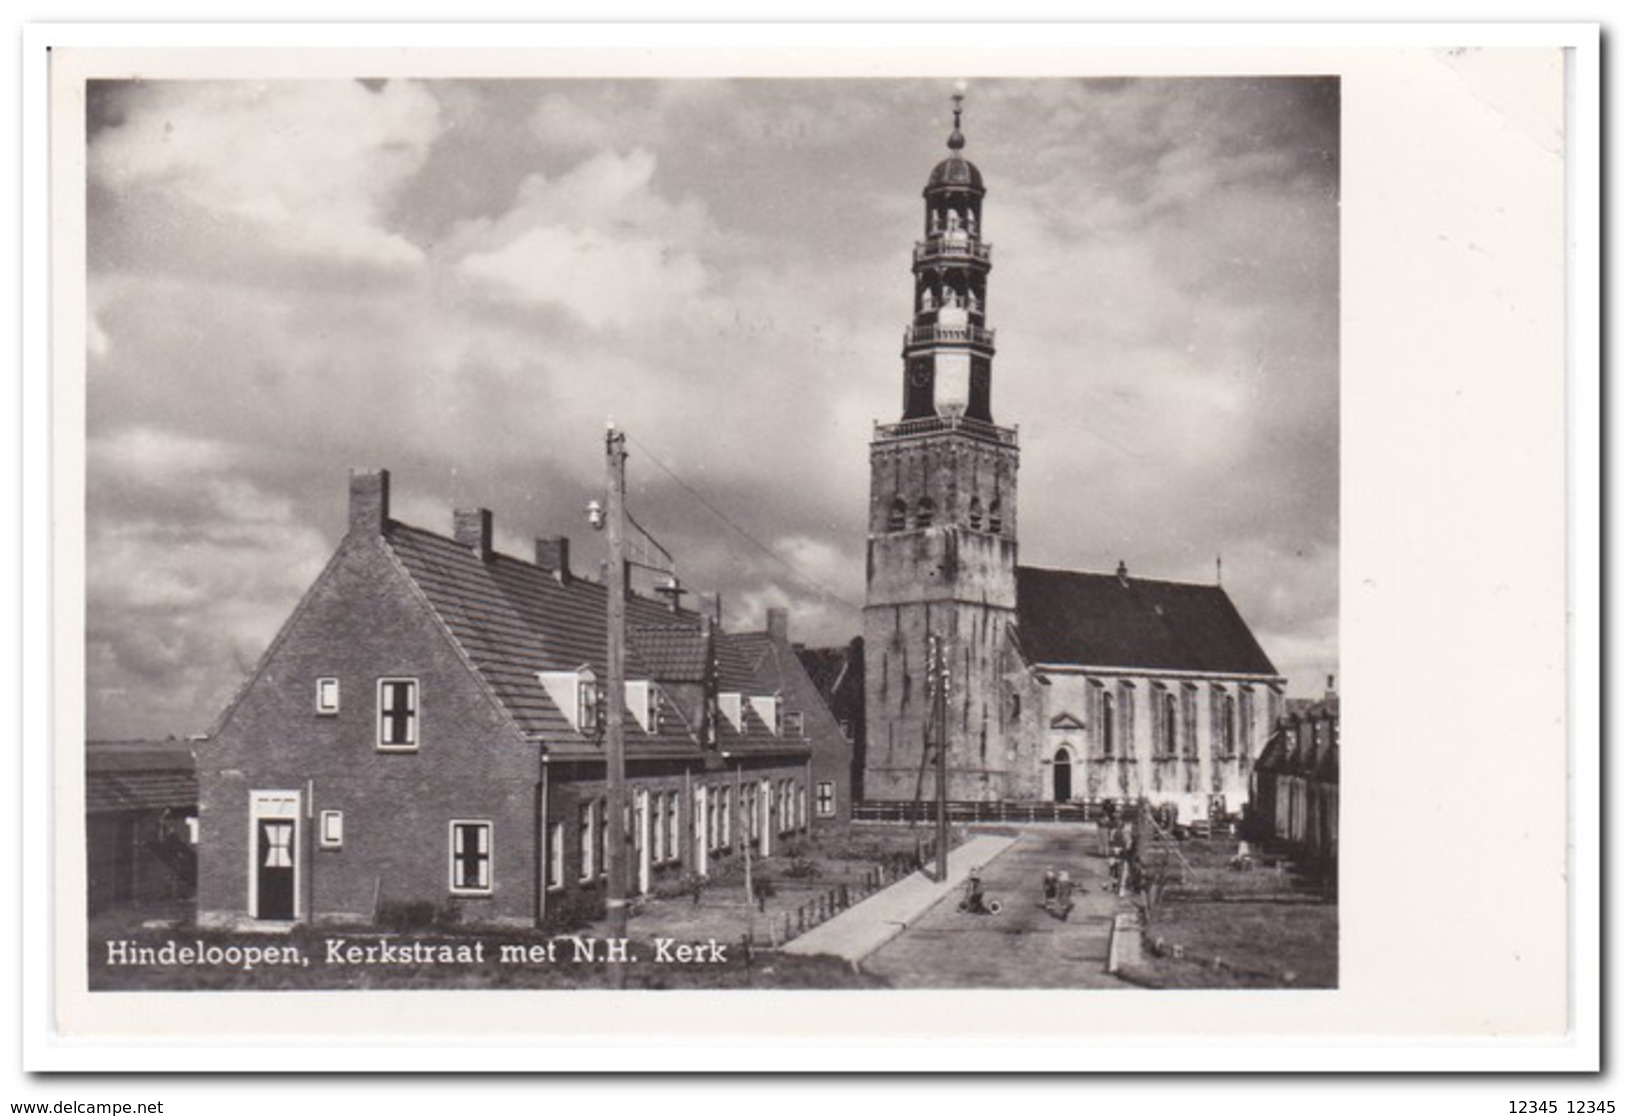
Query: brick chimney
point(554, 554)
point(471, 527)
point(778, 625)
point(369, 501)
point(711, 606)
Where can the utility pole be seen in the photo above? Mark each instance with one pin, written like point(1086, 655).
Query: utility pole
point(615, 698)
point(939, 721)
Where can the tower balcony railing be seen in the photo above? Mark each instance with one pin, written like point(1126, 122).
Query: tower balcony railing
point(963, 335)
point(940, 247)
point(941, 424)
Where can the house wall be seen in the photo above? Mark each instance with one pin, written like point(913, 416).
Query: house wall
point(831, 760)
point(788, 816)
point(360, 622)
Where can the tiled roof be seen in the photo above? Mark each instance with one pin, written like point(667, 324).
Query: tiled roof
point(139, 776)
point(1103, 620)
point(747, 663)
point(826, 666)
point(513, 619)
point(670, 653)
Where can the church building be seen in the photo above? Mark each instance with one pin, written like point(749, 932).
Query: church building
point(1059, 685)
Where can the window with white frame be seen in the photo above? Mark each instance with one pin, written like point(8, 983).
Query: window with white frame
point(589, 838)
point(398, 713)
point(801, 805)
point(471, 857)
point(555, 856)
point(674, 831)
point(602, 822)
point(587, 711)
point(332, 829)
point(657, 828)
point(795, 723)
point(825, 801)
point(327, 696)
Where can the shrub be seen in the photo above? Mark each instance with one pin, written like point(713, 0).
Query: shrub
point(801, 868)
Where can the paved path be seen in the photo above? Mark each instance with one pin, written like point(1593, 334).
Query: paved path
point(857, 932)
point(1023, 946)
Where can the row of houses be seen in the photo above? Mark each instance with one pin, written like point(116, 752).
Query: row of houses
point(1294, 792)
point(428, 726)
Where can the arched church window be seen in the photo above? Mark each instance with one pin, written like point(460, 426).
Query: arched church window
point(898, 518)
point(975, 514)
point(995, 519)
point(927, 303)
point(924, 512)
point(970, 221)
point(936, 220)
point(1170, 725)
point(1108, 713)
point(953, 220)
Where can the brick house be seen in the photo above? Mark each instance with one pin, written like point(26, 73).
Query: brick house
point(426, 728)
point(1295, 782)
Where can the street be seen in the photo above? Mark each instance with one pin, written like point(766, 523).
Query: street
point(1023, 946)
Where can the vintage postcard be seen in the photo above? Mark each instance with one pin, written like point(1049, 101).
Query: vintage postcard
point(571, 543)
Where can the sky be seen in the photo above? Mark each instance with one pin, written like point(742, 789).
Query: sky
point(462, 281)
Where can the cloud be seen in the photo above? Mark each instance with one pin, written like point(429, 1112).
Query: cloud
point(305, 168)
point(461, 280)
point(189, 566)
point(598, 242)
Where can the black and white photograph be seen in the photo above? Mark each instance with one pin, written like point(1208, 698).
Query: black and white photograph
point(972, 469)
point(650, 528)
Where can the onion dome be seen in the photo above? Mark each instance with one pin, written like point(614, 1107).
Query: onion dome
point(956, 170)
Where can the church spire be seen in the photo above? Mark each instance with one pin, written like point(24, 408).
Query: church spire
point(956, 141)
point(948, 348)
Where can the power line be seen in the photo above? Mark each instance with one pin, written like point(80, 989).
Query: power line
point(816, 586)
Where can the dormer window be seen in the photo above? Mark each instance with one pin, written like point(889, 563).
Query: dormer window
point(767, 707)
point(587, 706)
point(794, 723)
point(577, 696)
point(643, 699)
point(732, 706)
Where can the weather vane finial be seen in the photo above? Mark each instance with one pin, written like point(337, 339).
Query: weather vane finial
point(957, 140)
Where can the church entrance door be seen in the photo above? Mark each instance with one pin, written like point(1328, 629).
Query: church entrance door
point(1063, 775)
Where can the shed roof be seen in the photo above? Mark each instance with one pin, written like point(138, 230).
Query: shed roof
point(139, 775)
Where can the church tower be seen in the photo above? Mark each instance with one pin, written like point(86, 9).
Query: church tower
point(942, 517)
